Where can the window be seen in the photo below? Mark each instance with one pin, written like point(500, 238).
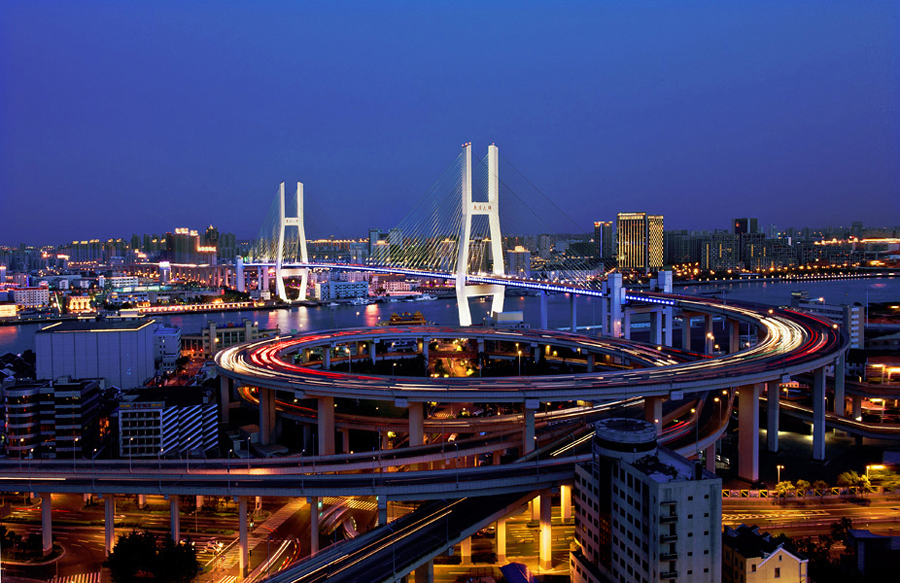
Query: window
point(753, 568)
point(778, 572)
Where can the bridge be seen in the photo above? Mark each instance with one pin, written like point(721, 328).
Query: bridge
point(455, 235)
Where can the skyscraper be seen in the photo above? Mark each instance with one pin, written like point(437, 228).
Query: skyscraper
point(640, 241)
point(603, 239)
point(741, 226)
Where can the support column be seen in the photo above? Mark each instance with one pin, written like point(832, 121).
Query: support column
point(424, 573)
point(590, 362)
point(819, 414)
point(711, 458)
point(656, 327)
point(528, 428)
point(653, 412)
point(748, 432)
point(685, 330)
point(345, 440)
point(372, 355)
point(465, 550)
point(142, 501)
point(708, 338)
point(536, 508)
point(543, 310)
point(546, 562)
point(626, 327)
point(109, 522)
point(840, 379)
point(573, 314)
point(325, 424)
point(313, 525)
point(243, 545)
point(416, 424)
point(501, 541)
point(565, 502)
point(224, 399)
point(425, 343)
point(175, 517)
point(198, 502)
point(382, 510)
point(857, 407)
point(46, 524)
point(266, 415)
point(734, 336)
point(773, 409)
point(326, 356)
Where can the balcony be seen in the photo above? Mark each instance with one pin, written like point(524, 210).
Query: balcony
point(669, 502)
point(668, 519)
point(668, 575)
point(667, 538)
point(668, 557)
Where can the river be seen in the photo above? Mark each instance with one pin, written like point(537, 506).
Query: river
point(17, 339)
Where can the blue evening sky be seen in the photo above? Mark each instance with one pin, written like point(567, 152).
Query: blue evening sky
point(119, 117)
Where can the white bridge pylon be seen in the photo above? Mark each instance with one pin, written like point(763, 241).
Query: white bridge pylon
point(491, 209)
point(283, 223)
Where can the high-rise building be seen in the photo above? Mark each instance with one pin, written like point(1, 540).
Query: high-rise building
point(742, 226)
point(604, 240)
point(643, 513)
point(518, 262)
point(640, 241)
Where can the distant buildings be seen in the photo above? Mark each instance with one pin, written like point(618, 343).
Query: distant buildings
point(341, 290)
point(643, 513)
point(750, 556)
point(639, 239)
point(119, 351)
point(32, 297)
point(214, 338)
point(850, 318)
point(518, 262)
point(604, 240)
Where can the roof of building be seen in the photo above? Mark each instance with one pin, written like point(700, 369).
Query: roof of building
point(96, 326)
point(748, 542)
point(668, 466)
point(171, 396)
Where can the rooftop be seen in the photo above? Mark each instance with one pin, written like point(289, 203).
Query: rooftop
point(96, 326)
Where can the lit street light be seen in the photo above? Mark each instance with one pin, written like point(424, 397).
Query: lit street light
point(779, 467)
point(520, 363)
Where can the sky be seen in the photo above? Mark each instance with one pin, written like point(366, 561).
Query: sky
point(124, 117)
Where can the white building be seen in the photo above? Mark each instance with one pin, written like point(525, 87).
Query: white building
point(166, 347)
point(341, 290)
point(644, 514)
point(119, 351)
point(518, 262)
point(32, 297)
point(166, 422)
point(751, 556)
point(850, 318)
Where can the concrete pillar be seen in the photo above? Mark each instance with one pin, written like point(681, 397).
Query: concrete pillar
point(198, 501)
point(536, 508)
point(243, 544)
point(141, 501)
point(382, 510)
point(626, 327)
point(424, 573)
point(257, 504)
point(465, 551)
point(546, 535)
point(734, 336)
point(416, 424)
point(313, 525)
point(495, 457)
point(748, 432)
point(345, 440)
point(857, 407)
point(685, 330)
point(109, 522)
point(773, 408)
point(501, 541)
point(590, 362)
point(656, 327)
point(653, 412)
point(819, 414)
point(175, 517)
point(326, 356)
point(543, 310)
point(668, 317)
point(573, 313)
point(528, 426)
point(326, 425)
point(840, 380)
point(565, 502)
point(266, 415)
point(425, 343)
point(46, 524)
point(708, 338)
point(372, 355)
point(224, 399)
point(711, 458)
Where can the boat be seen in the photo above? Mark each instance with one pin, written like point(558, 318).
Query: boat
point(333, 305)
point(360, 301)
point(425, 298)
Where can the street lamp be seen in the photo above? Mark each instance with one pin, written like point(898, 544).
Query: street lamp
point(349, 360)
point(130, 452)
point(457, 463)
point(520, 363)
point(74, 451)
point(779, 467)
point(873, 467)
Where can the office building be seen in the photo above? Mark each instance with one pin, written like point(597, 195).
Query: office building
point(119, 351)
point(640, 241)
point(166, 348)
point(643, 513)
point(32, 297)
point(167, 422)
point(604, 240)
point(518, 262)
point(850, 318)
point(213, 338)
point(750, 556)
point(744, 226)
point(720, 252)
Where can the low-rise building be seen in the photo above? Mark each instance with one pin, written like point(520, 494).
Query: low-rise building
point(167, 422)
point(32, 297)
point(750, 556)
point(166, 348)
point(214, 338)
point(341, 290)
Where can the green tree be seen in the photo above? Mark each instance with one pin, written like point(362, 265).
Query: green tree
point(138, 556)
point(803, 486)
point(821, 486)
point(783, 489)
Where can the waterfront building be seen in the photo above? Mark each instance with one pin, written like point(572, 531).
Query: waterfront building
point(341, 290)
point(850, 318)
point(166, 348)
point(720, 252)
point(119, 351)
point(32, 297)
point(214, 338)
point(604, 238)
point(640, 241)
point(750, 556)
point(167, 421)
point(643, 513)
point(518, 262)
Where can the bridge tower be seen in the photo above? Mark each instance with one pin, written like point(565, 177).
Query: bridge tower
point(491, 209)
point(285, 221)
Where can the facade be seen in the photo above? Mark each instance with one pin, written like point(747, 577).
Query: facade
point(78, 304)
point(166, 348)
point(745, 226)
point(214, 338)
point(55, 420)
point(644, 514)
point(518, 262)
point(119, 351)
point(32, 297)
point(851, 318)
point(341, 290)
point(167, 421)
point(750, 556)
point(720, 252)
point(640, 241)
point(604, 240)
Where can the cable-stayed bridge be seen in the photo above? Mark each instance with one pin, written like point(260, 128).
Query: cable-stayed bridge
point(453, 233)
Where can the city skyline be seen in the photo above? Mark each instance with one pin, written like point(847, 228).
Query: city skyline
point(145, 112)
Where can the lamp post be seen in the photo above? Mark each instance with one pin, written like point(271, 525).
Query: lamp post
point(349, 360)
point(457, 463)
point(74, 452)
point(696, 428)
point(130, 453)
point(520, 363)
point(779, 467)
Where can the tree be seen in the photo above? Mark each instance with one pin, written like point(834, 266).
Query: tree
point(840, 529)
point(783, 489)
point(821, 486)
point(848, 479)
point(136, 556)
point(803, 486)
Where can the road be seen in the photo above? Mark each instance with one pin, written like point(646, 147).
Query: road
point(876, 513)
